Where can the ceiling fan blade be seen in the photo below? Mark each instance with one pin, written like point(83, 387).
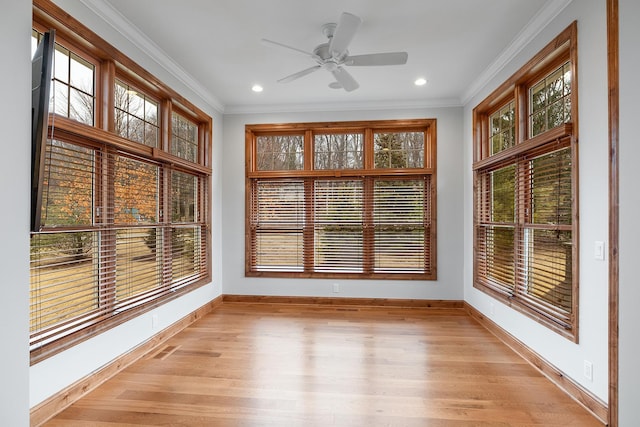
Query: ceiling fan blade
point(299, 74)
point(390, 58)
point(345, 79)
point(345, 31)
point(266, 41)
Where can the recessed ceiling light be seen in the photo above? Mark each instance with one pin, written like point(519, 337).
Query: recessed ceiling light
point(257, 88)
point(420, 82)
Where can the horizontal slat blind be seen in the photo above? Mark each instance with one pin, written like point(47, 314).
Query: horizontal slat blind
point(524, 231)
point(277, 222)
point(69, 184)
point(338, 231)
point(188, 260)
point(138, 263)
point(495, 256)
point(359, 225)
point(103, 250)
point(495, 228)
point(400, 221)
point(545, 252)
point(65, 272)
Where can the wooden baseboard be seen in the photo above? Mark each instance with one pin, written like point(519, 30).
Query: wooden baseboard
point(592, 403)
point(44, 411)
point(329, 301)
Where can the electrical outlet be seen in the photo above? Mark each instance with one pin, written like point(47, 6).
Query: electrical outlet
point(336, 288)
point(588, 370)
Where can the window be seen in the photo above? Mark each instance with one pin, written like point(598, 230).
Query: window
point(525, 192)
point(341, 200)
point(125, 212)
point(136, 115)
point(73, 86)
point(184, 138)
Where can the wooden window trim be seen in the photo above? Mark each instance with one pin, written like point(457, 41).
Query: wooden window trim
point(309, 173)
point(561, 49)
point(110, 64)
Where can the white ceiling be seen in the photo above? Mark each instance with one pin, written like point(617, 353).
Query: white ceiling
point(214, 46)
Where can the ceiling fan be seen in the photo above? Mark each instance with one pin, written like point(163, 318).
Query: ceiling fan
point(333, 55)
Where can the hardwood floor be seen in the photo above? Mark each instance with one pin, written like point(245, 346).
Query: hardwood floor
point(293, 365)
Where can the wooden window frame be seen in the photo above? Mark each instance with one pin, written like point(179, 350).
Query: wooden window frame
point(559, 51)
point(101, 136)
point(368, 174)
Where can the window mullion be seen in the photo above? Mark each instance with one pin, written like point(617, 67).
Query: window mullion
point(368, 149)
point(105, 113)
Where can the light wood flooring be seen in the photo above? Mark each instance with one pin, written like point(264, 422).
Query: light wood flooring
point(293, 365)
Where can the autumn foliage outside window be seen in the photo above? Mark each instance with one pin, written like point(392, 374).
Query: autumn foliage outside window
point(125, 209)
point(526, 189)
point(348, 199)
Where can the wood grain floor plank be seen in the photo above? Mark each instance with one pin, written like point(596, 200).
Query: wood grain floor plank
point(256, 364)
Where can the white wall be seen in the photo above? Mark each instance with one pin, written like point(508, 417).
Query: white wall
point(454, 227)
point(629, 401)
point(15, 122)
point(53, 374)
point(593, 194)
point(449, 237)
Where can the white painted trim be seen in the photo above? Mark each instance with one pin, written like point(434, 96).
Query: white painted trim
point(123, 26)
point(549, 11)
point(342, 106)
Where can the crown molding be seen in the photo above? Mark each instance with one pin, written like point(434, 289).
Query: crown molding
point(548, 13)
point(342, 106)
point(122, 25)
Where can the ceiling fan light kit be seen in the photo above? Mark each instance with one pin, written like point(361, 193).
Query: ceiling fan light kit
point(333, 55)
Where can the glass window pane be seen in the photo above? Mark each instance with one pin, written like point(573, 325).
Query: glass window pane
point(151, 135)
point(68, 185)
point(80, 106)
point(503, 189)
point(184, 189)
point(184, 141)
point(338, 151)
point(550, 101)
point(136, 191)
point(59, 102)
point(399, 150)
point(281, 152)
point(73, 86)
point(551, 188)
point(61, 64)
point(151, 111)
point(81, 74)
point(503, 128)
point(136, 115)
